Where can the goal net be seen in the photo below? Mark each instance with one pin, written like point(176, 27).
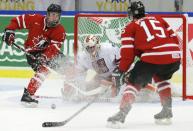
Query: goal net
point(108, 28)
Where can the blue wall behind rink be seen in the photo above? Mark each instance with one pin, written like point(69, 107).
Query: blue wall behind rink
point(5, 12)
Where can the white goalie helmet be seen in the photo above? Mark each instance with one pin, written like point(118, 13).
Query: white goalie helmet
point(91, 45)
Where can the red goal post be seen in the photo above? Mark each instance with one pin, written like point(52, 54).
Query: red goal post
point(108, 28)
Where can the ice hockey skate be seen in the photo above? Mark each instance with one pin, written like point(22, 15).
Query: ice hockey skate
point(164, 117)
point(118, 119)
point(27, 100)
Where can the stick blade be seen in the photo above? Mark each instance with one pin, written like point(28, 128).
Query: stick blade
point(53, 124)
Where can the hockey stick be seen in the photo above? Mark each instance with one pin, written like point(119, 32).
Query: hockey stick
point(22, 49)
point(47, 97)
point(62, 123)
point(86, 93)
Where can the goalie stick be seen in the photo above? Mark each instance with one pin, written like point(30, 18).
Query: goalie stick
point(62, 123)
point(86, 93)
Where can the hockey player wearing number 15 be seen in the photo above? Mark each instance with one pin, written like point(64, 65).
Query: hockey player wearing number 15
point(158, 48)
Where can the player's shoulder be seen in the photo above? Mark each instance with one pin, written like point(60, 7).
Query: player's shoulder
point(38, 16)
point(58, 32)
point(130, 25)
point(153, 17)
point(32, 18)
point(59, 28)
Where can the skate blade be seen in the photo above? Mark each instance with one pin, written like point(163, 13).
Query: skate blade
point(29, 105)
point(114, 125)
point(166, 121)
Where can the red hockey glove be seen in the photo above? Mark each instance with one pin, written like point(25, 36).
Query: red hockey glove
point(8, 37)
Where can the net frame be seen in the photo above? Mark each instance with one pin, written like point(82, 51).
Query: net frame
point(183, 40)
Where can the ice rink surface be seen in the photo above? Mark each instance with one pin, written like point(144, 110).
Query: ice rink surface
point(15, 117)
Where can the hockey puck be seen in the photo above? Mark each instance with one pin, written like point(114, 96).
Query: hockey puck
point(53, 106)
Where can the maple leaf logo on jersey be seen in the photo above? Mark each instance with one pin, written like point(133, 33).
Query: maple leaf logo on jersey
point(37, 39)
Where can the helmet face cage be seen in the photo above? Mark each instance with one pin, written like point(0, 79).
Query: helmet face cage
point(91, 45)
point(136, 10)
point(55, 9)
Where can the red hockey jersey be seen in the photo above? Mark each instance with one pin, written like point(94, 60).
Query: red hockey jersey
point(37, 30)
point(150, 38)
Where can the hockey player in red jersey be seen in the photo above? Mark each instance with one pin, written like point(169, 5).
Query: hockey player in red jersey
point(45, 38)
point(152, 39)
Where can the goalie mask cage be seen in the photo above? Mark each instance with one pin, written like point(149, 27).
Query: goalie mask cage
point(108, 28)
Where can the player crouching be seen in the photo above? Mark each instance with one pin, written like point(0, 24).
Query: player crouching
point(95, 65)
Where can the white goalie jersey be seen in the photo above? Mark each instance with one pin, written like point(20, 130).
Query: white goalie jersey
point(104, 62)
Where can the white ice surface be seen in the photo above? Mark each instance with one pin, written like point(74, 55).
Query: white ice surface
point(14, 117)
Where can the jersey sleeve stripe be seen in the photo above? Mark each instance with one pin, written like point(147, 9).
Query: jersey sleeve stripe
point(127, 46)
point(166, 45)
point(57, 47)
point(160, 53)
point(127, 39)
point(173, 35)
point(18, 22)
point(23, 20)
point(169, 28)
point(55, 42)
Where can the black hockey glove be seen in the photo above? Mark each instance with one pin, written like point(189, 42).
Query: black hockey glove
point(117, 77)
point(116, 61)
point(125, 77)
point(42, 59)
point(9, 37)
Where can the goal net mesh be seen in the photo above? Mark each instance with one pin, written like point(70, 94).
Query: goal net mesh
point(108, 28)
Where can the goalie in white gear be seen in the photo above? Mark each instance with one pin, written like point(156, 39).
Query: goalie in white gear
point(100, 60)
